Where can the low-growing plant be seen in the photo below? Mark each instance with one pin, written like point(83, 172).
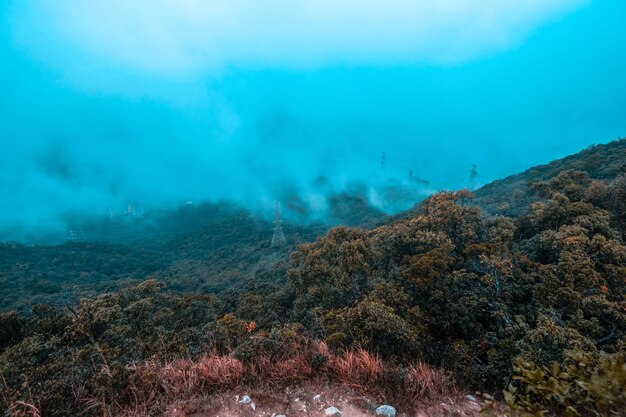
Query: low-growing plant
point(583, 386)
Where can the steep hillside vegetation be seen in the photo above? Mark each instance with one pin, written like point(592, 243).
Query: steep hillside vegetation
point(492, 300)
point(203, 249)
point(511, 195)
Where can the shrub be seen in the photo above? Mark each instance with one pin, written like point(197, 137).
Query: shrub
point(584, 385)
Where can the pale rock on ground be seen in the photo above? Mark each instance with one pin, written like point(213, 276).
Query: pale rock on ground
point(386, 411)
point(333, 412)
point(312, 401)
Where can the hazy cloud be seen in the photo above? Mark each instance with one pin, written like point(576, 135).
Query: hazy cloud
point(165, 101)
point(191, 36)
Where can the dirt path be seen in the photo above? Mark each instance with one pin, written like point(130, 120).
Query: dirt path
point(311, 401)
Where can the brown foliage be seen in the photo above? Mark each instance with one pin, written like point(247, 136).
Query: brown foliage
point(155, 384)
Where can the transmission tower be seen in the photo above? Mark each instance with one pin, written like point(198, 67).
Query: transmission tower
point(130, 210)
point(383, 161)
point(278, 239)
point(473, 177)
point(411, 176)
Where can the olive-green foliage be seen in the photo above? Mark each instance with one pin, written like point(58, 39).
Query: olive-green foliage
point(512, 195)
point(204, 249)
point(66, 354)
point(31, 275)
point(471, 292)
point(584, 385)
point(60, 357)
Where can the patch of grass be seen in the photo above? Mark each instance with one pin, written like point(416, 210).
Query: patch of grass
point(155, 385)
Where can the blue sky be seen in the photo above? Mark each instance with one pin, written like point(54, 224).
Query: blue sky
point(166, 101)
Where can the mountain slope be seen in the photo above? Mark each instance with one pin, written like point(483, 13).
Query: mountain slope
point(533, 303)
point(510, 195)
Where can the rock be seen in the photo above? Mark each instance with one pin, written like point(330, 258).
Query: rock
point(317, 397)
point(253, 406)
point(245, 400)
point(471, 398)
point(386, 411)
point(333, 412)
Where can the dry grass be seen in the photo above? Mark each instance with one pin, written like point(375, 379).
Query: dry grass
point(357, 368)
point(15, 407)
point(184, 377)
point(422, 382)
point(155, 384)
point(281, 373)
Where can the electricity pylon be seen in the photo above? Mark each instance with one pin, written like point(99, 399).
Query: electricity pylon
point(473, 177)
point(278, 239)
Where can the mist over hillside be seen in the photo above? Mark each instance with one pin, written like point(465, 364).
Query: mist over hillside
point(93, 118)
point(212, 247)
point(312, 208)
point(446, 296)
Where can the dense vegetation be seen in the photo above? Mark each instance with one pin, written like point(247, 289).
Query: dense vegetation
point(495, 300)
point(203, 249)
point(195, 248)
point(512, 195)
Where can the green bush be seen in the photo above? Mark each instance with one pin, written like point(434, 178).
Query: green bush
point(584, 385)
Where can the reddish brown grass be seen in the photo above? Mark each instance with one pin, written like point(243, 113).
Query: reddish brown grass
point(423, 382)
point(212, 372)
point(156, 383)
point(357, 368)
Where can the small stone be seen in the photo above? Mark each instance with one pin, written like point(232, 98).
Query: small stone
point(245, 400)
point(386, 411)
point(317, 397)
point(471, 398)
point(333, 412)
point(253, 406)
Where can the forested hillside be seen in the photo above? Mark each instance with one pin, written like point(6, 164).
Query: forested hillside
point(493, 300)
point(202, 249)
point(511, 195)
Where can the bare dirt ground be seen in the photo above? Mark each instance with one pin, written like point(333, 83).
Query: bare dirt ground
point(312, 401)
